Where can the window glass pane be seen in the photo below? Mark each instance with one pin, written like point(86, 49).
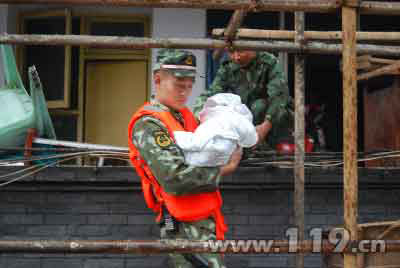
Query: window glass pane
point(54, 25)
point(49, 60)
point(75, 66)
point(135, 29)
point(261, 20)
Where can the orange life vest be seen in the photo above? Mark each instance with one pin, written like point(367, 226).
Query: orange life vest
point(185, 208)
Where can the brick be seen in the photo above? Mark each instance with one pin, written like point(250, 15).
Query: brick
point(51, 208)
point(147, 262)
point(56, 174)
point(22, 197)
point(103, 263)
point(236, 219)
point(373, 208)
point(92, 209)
point(265, 220)
point(364, 218)
point(48, 231)
point(141, 219)
point(261, 210)
point(67, 198)
point(22, 263)
point(310, 261)
point(376, 196)
point(13, 208)
point(236, 262)
point(314, 260)
point(135, 231)
point(112, 197)
point(93, 230)
point(11, 229)
point(129, 209)
point(235, 198)
point(323, 208)
point(122, 174)
point(258, 231)
point(61, 263)
point(21, 219)
point(107, 219)
point(269, 198)
point(270, 261)
point(65, 219)
point(317, 219)
point(226, 208)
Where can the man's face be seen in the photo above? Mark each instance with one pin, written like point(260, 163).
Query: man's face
point(242, 57)
point(172, 91)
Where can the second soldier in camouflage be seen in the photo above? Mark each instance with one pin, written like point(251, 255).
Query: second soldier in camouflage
point(258, 79)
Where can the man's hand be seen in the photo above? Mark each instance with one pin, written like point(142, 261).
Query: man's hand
point(263, 130)
point(233, 163)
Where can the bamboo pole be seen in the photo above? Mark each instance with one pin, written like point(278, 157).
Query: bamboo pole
point(310, 35)
point(230, 32)
point(181, 246)
point(191, 43)
point(262, 5)
point(382, 61)
point(349, 21)
point(299, 87)
point(384, 70)
point(324, 6)
point(379, 8)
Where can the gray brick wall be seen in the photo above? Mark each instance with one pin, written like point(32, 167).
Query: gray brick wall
point(103, 205)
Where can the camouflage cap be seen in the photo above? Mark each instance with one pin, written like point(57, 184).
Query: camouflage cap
point(181, 63)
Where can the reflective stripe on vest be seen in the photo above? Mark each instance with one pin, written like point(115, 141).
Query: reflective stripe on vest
point(185, 208)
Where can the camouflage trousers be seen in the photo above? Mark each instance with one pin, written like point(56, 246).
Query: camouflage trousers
point(200, 230)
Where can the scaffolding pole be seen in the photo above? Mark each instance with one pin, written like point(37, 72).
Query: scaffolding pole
point(230, 32)
point(310, 35)
point(191, 43)
point(299, 72)
point(259, 5)
point(323, 6)
point(184, 246)
point(350, 176)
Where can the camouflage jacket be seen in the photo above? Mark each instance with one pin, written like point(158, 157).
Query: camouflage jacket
point(261, 85)
point(167, 163)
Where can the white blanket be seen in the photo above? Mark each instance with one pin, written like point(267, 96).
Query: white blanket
point(225, 124)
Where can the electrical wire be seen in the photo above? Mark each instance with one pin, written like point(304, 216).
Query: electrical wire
point(259, 159)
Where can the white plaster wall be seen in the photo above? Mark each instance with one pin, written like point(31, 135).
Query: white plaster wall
point(189, 23)
point(3, 28)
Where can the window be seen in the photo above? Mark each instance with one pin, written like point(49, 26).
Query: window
point(52, 62)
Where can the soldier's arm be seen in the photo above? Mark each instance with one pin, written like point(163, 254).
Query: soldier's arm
point(166, 160)
point(217, 86)
point(278, 92)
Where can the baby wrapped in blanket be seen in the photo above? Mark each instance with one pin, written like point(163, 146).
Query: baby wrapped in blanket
point(225, 123)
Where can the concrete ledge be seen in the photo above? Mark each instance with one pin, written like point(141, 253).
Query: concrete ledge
point(125, 178)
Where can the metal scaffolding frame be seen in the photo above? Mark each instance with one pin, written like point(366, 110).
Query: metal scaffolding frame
point(349, 49)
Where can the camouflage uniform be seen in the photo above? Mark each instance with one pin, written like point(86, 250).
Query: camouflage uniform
point(167, 164)
point(262, 87)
